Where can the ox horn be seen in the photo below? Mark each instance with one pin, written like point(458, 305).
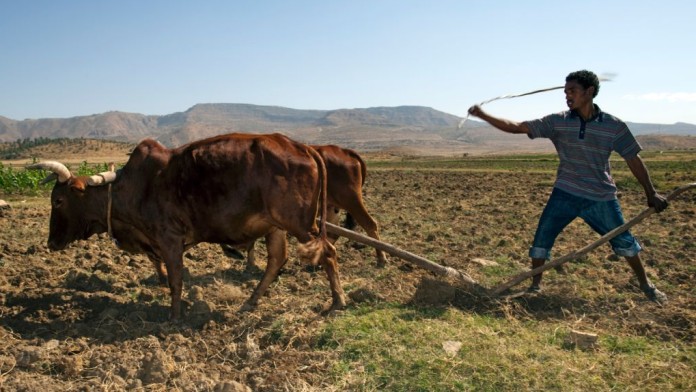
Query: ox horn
point(101, 178)
point(59, 170)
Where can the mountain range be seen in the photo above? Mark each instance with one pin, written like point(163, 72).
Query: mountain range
point(418, 128)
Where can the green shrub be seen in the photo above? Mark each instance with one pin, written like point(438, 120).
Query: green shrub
point(20, 181)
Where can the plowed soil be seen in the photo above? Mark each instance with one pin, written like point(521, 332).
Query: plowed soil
point(92, 317)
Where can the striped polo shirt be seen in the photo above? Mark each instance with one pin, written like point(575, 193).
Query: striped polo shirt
point(584, 148)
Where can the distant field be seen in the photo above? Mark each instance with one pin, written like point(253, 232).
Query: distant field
point(668, 167)
point(91, 156)
point(66, 151)
point(77, 150)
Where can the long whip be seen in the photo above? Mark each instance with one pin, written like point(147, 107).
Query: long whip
point(605, 77)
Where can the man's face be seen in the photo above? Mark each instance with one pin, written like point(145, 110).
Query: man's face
point(576, 95)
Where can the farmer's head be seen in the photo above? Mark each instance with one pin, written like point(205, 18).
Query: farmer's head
point(580, 89)
point(586, 79)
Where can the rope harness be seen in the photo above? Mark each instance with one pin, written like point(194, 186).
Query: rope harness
point(108, 215)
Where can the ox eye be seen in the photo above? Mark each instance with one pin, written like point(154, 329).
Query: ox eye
point(57, 203)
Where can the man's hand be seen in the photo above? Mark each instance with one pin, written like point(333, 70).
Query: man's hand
point(657, 201)
point(475, 111)
point(639, 170)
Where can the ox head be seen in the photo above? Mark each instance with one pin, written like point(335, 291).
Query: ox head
point(74, 212)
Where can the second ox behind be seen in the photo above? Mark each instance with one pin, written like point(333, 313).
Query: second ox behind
point(346, 173)
point(229, 189)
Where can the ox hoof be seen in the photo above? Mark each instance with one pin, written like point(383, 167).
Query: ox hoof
point(174, 318)
point(338, 304)
point(331, 311)
point(382, 259)
point(252, 269)
point(533, 289)
point(247, 307)
point(357, 245)
point(232, 252)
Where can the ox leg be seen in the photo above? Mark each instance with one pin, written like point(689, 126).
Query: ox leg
point(277, 246)
point(370, 226)
point(235, 253)
point(330, 264)
point(174, 261)
point(159, 269)
point(251, 256)
point(332, 216)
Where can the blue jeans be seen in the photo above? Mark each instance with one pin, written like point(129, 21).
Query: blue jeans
point(602, 216)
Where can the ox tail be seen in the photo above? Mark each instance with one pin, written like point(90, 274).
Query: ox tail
point(319, 249)
point(349, 221)
point(323, 191)
point(327, 253)
point(363, 166)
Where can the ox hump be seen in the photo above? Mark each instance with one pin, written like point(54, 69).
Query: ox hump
point(148, 148)
point(148, 145)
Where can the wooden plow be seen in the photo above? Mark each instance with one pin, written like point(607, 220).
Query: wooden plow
point(422, 262)
point(464, 278)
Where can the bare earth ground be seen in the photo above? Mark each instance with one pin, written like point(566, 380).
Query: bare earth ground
point(92, 318)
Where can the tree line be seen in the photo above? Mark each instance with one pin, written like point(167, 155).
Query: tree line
point(18, 148)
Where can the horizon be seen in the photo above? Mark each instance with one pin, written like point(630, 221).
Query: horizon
point(63, 60)
point(473, 119)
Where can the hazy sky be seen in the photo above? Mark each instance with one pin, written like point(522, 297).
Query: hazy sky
point(81, 57)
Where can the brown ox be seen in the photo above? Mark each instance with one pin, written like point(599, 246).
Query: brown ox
point(346, 173)
point(229, 189)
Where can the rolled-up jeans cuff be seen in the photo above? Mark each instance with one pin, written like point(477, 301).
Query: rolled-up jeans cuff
point(539, 253)
point(628, 252)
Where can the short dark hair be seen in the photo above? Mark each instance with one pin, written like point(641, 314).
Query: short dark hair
point(586, 79)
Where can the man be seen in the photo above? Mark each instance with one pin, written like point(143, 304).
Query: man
point(584, 138)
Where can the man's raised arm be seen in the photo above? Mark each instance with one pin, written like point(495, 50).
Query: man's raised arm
point(500, 123)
